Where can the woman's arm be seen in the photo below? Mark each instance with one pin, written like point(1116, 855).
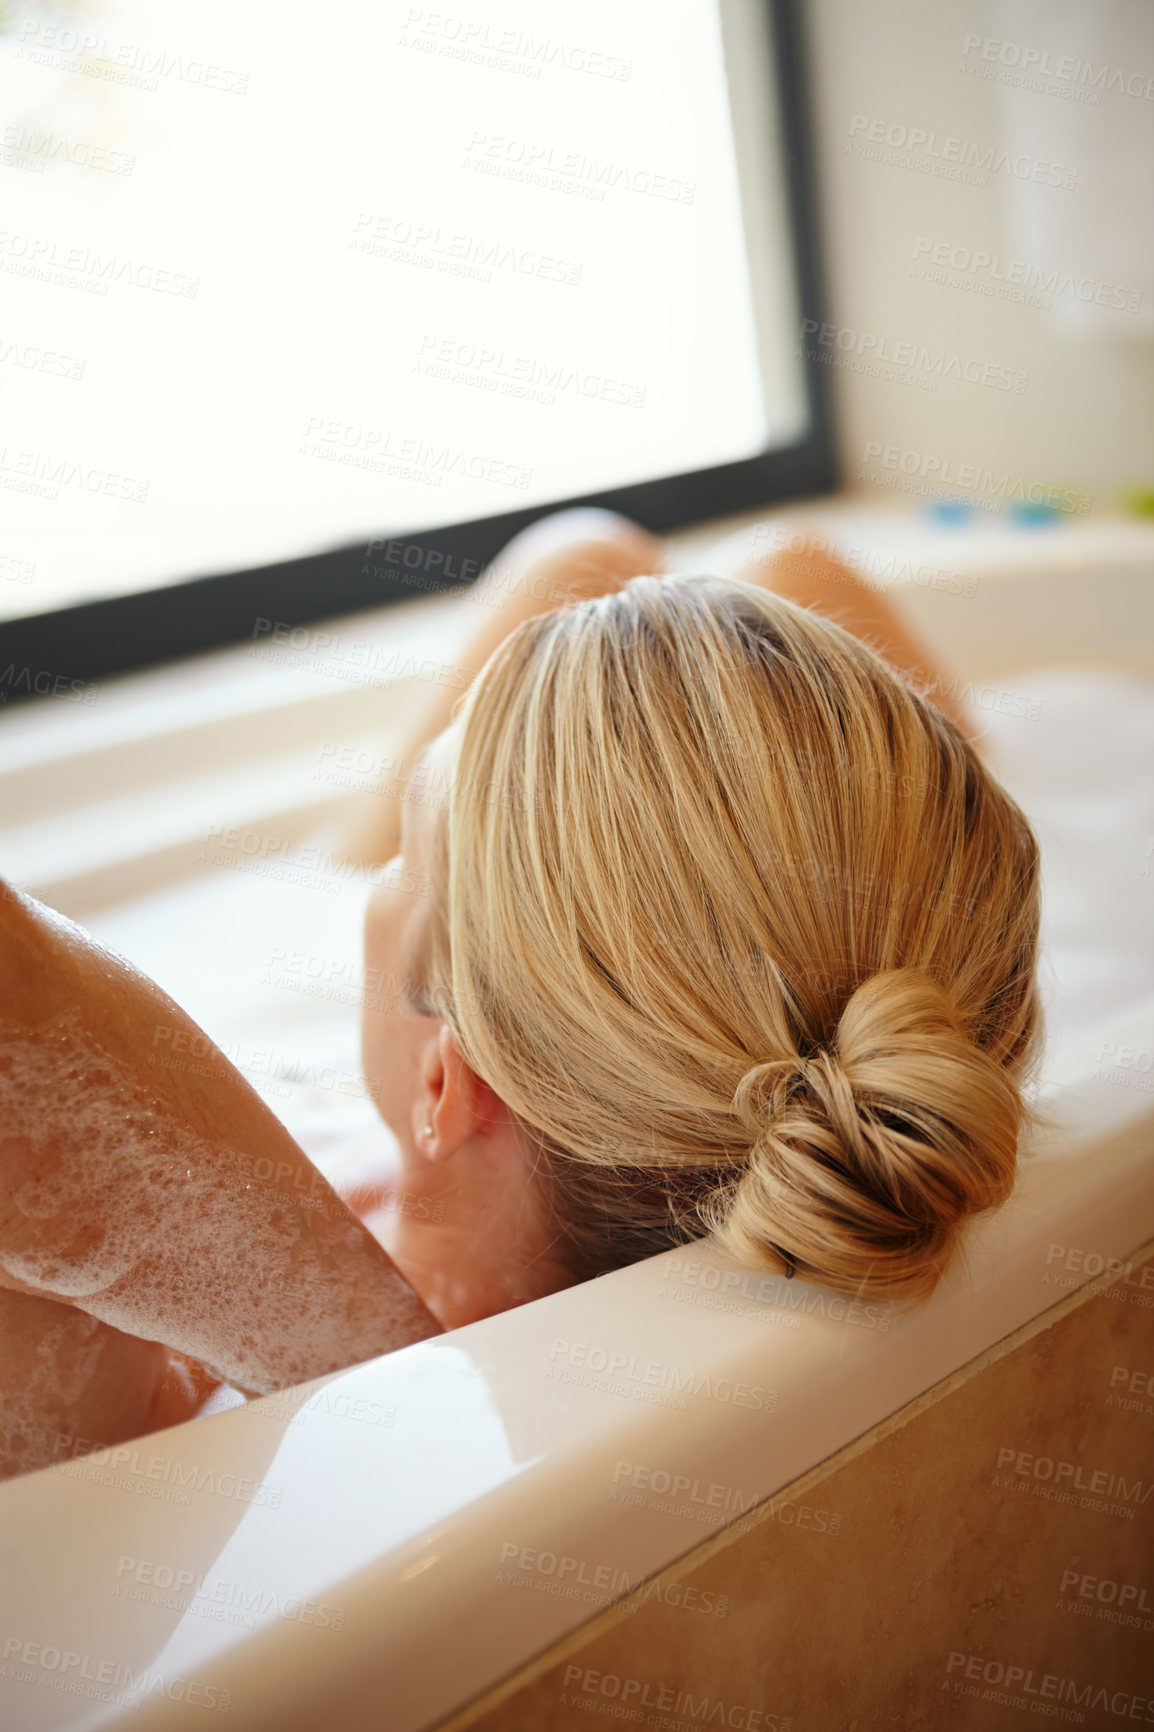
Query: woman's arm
point(171, 1206)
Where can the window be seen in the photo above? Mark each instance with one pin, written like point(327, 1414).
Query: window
point(310, 311)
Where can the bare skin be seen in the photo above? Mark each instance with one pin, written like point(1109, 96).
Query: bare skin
point(132, 1195)
point(477, 1245)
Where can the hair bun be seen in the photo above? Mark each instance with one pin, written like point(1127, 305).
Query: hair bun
point(869, 1155)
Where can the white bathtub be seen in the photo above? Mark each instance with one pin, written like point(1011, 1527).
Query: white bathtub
point(383, 1548)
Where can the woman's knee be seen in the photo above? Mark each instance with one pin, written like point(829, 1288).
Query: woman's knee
point(70, 1384)
point(588, 538)
point(759, 550)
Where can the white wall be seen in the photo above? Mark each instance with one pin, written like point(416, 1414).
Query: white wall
point(1084, 419)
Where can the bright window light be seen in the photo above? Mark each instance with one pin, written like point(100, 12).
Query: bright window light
point(278, 278)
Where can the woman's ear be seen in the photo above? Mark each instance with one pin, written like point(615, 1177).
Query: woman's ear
point(453, 1103)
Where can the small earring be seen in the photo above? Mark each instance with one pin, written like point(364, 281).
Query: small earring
point(428, 1130)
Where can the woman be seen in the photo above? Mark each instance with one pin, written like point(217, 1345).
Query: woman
point(725, 927)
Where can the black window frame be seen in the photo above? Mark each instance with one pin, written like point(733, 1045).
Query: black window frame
point(89, 641)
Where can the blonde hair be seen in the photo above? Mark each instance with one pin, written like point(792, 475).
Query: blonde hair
point(744, 933)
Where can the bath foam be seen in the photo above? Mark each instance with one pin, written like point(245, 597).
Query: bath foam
point(167, 1236)
point(52, 1360)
